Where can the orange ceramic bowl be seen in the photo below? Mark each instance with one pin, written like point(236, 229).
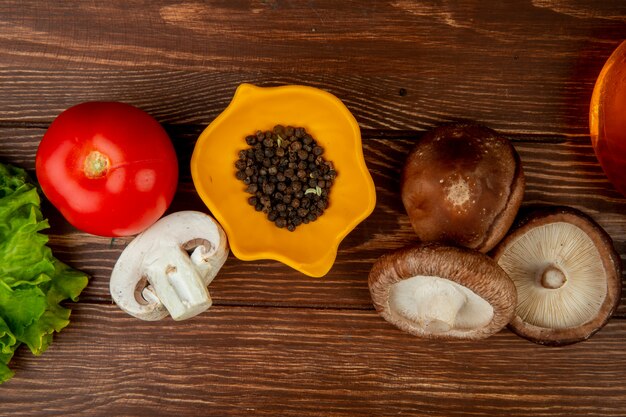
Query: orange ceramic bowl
point(311, 248)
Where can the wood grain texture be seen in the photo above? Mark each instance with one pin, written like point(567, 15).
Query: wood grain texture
point(293, 362)
point(277, 342)
point(524, 67)
point(557, 173)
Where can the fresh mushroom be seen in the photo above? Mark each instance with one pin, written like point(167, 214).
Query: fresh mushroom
point(442, 292)
point(567, 275)
point(462, 185)
point(167, 268)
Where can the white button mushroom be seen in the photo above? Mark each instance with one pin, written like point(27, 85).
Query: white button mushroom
point(167, 268)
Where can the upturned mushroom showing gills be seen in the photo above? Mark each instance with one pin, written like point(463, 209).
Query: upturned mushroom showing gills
point(462, 185)
point(567, 274)
point(167, 268)
point(442, 292)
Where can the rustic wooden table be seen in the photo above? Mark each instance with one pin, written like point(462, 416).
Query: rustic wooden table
point(277, 342)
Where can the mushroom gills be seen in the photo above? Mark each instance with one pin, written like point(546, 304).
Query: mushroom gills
point(438, 305)
point(559, 276)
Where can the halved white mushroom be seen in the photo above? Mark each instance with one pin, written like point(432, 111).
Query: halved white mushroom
point(167, 268)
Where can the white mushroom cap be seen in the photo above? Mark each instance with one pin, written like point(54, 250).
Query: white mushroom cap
point(566, 273)
point(155, 275)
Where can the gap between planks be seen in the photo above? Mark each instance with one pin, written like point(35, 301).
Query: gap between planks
point(284, 306)
point(365, 133)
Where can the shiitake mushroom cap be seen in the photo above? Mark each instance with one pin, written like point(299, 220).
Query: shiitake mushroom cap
point(567, 274)
point(462, 185)
point(467, 273)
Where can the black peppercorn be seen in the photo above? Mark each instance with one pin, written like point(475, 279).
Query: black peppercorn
point(268, 188)
point(286, 174)
point(295, 146)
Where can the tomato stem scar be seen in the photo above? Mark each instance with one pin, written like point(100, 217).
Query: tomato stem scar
point(96, 164)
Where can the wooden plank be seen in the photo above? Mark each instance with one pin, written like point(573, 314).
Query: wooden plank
point(298, 362)
point(564, 173)
point(409, 101)
point(217, 35)
point(398, 64)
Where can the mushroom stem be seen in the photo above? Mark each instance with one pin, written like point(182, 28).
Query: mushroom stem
point(553, 278)
point(176, 281)
point(206, 263)
point(429, 302)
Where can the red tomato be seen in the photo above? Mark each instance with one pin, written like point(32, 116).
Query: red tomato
point(108, 167)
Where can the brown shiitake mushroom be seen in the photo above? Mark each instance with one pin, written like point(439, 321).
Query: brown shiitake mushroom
point(567, 274)
point(442, 292)
point(462, 184)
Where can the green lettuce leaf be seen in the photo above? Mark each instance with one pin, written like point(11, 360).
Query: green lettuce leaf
point(33, 282)
point(8, 344)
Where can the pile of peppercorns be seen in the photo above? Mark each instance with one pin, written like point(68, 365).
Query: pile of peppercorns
point(287, 175)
